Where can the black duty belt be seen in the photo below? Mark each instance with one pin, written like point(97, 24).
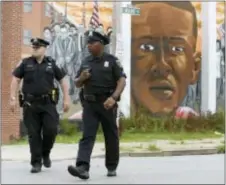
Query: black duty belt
point(95, 98)
point(37, 98)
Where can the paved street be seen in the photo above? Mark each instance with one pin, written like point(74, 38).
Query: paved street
point(207, 169)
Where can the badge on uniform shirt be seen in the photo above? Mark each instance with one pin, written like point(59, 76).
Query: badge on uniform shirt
point(106, 64)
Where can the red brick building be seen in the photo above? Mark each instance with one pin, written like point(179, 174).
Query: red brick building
point(20, 22)
point(10, 55)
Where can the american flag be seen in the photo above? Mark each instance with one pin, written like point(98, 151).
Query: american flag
point(94, 20)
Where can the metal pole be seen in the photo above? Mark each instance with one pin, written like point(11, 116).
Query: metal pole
point(208, 72)
point(84, 15)
point(116, 23)
point(65, 13)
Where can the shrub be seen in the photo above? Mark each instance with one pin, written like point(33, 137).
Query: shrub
point(144, 122)
point(221, 149)
point(67, 128)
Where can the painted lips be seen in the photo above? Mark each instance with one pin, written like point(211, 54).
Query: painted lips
point(163, 92)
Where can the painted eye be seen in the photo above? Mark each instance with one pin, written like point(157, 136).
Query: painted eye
point(177, 49)
point(147, 47)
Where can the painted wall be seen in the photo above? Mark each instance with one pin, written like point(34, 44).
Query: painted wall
point(75, 11)
point(166, 57)
point(70, 55)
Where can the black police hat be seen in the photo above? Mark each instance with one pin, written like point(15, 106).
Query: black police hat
point(39, 42)
point(96, 36)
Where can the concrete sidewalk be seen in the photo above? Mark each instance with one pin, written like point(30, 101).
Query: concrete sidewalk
point(154, 148)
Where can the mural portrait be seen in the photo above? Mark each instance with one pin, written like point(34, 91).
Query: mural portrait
point(164, 60)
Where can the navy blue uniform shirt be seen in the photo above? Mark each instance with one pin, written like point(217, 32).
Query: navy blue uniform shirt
point(38, 79)
point(105, 72)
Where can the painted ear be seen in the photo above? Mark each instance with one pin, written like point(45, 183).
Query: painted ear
point(197, 67)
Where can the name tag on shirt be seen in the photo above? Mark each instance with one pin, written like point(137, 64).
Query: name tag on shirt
point(106, 64)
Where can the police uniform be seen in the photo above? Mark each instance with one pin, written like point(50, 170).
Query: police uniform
point(105, 72)
point(39, 109)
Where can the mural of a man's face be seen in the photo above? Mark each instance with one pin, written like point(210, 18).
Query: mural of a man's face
point(67, 26)
point(63, 31)
point(47, 34)
point(56, 29)
point(73, 30)
point(163, 56)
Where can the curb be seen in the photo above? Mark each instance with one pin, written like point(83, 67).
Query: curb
point(209, 151)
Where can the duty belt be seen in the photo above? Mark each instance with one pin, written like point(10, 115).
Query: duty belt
point(34, 98)
point(95, 98)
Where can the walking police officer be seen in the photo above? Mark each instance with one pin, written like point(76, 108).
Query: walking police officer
point(103, 81)
point(38, 99)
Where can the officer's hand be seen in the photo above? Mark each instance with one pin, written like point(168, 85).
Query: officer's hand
point(66, 105)
point(85, 75)
point(12, 104)
point(109, 103)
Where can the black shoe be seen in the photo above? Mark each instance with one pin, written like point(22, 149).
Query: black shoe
point(36, 168)
point(80, 172)
point(111, 173)
point(47, 162)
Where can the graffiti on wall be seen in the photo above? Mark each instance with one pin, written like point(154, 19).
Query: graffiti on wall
point(166, 58)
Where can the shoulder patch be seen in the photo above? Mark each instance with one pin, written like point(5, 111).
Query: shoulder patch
point(50, 59)
point(118, 62)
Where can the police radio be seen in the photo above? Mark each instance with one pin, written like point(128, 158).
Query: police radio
point(86, 67)
point(54, 95)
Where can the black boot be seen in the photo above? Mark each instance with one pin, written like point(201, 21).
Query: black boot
point(79, 171)
point(36, 168)
point(111, 173)
point(47, 161)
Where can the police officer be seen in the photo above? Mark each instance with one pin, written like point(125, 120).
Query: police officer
point(103, 81)
point(39, 101)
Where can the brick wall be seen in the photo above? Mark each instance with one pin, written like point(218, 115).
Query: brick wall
point(11, 54)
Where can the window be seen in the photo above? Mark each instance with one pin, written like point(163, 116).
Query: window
point(48, 10)
point(27, 35)
point(27, 6)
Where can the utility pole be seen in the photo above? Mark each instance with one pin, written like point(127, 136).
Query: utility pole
point(116, 22)
point(208, 72)
point(65, 11)
point(84, 14)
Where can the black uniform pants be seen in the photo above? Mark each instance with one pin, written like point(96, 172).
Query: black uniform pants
point(41, 121)
point(223, 52)
point(93, 113)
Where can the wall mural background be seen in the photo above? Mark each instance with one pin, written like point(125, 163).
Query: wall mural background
point(63, 24)
point(166, 57)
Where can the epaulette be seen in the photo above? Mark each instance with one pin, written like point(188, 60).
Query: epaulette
point(111, 56)
point(27, 58)
point(50, 59)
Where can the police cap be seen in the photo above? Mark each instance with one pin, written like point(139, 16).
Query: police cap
point(97, 37)
point(39, 42)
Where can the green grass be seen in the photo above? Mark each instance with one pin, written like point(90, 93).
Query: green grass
point(221, 149)
point(135, 137)
point(182, 142)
